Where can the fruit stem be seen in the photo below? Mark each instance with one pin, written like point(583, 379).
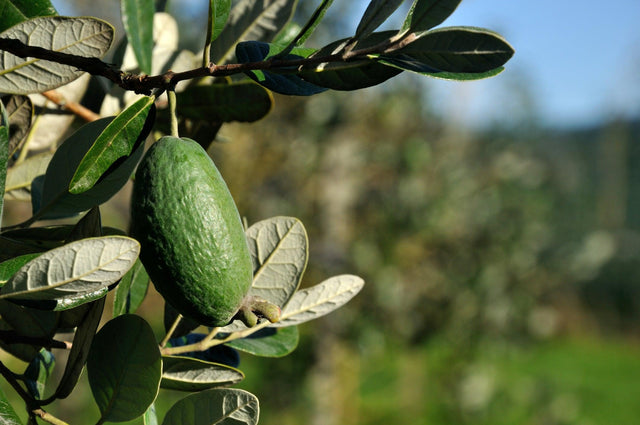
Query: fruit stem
point(172, 111)
point(171, 330)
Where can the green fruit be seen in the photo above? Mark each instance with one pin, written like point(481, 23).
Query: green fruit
point(193, 243)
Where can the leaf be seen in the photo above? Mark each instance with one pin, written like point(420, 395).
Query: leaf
point(87, 37)
point(408, 64)
point(457, 50)
point(10, 267)
point(20, 176)
point(188, 374)
point(256, 20)
point(80, 349)
point(150, 417)
point(137, 19)
point(131, 290)
point(377, 12)
point(124, 368)
point(218, 15)
point(20, 112)
point(8, 416)
point(216, 406)
point(319, 300)
point(287, 84)
point(37, 373)
point(16, 11)
point(309, 27)
point(426, 14)
point(55, 200)
point(4, 153)
point(351, 75)
point(74, 269)
point(244, 101)
point(269, 342)
point(279, 251)
point(117, 140)
point(29, 323)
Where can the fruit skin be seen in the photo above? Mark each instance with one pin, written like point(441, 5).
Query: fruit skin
point(193, 243)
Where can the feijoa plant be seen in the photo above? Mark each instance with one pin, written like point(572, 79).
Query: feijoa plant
point(54, 279)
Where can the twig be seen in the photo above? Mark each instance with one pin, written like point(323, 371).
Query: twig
point(79, 110)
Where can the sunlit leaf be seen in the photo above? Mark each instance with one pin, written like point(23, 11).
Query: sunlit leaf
point(426, 14)
point(269, 342)
point(279, 251)
point(73, 269)
point(122, 136)
point(216, 406)
point(319, 300)
point(257, 20)
point(306, 31)
point(137, 19)
point(131, 290)
point(16, 11)
point(87, 37)
point(150, 417)
point(188, 374)
point(9, 267)
point(219, 13)
point(56, 201)
point(124, 368)
point(8, 415)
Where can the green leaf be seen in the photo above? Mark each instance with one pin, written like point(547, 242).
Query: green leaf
point(26, 322)
point(279, 251)
point(407, 64)
point(456, 50)
point(131, 290)
point(80, 349)
point(124, 368)
point(55, 200)
point(189, 374)
point(351, 75)
point(150, 417)
point(319, 300)
point(10, 267)
point(426, 14)
point(377, 12)
point(8, 415)
point(137, 19)
point(287, 84)
point(16, 11)
point(216, 406)
point(20, 112)
point(4, 153)
point(88, 37)
point(218, 15)
point(20, 176)
point(309, 27)
point(73, 270)
point(257, 20)
point(269, 342)
point(121, 137)
point(244, 102)
point(37, 373)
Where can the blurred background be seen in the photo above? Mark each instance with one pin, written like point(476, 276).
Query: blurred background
point(495, 222)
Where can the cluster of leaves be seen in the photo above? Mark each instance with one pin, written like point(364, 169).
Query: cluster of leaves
point(55, 278)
